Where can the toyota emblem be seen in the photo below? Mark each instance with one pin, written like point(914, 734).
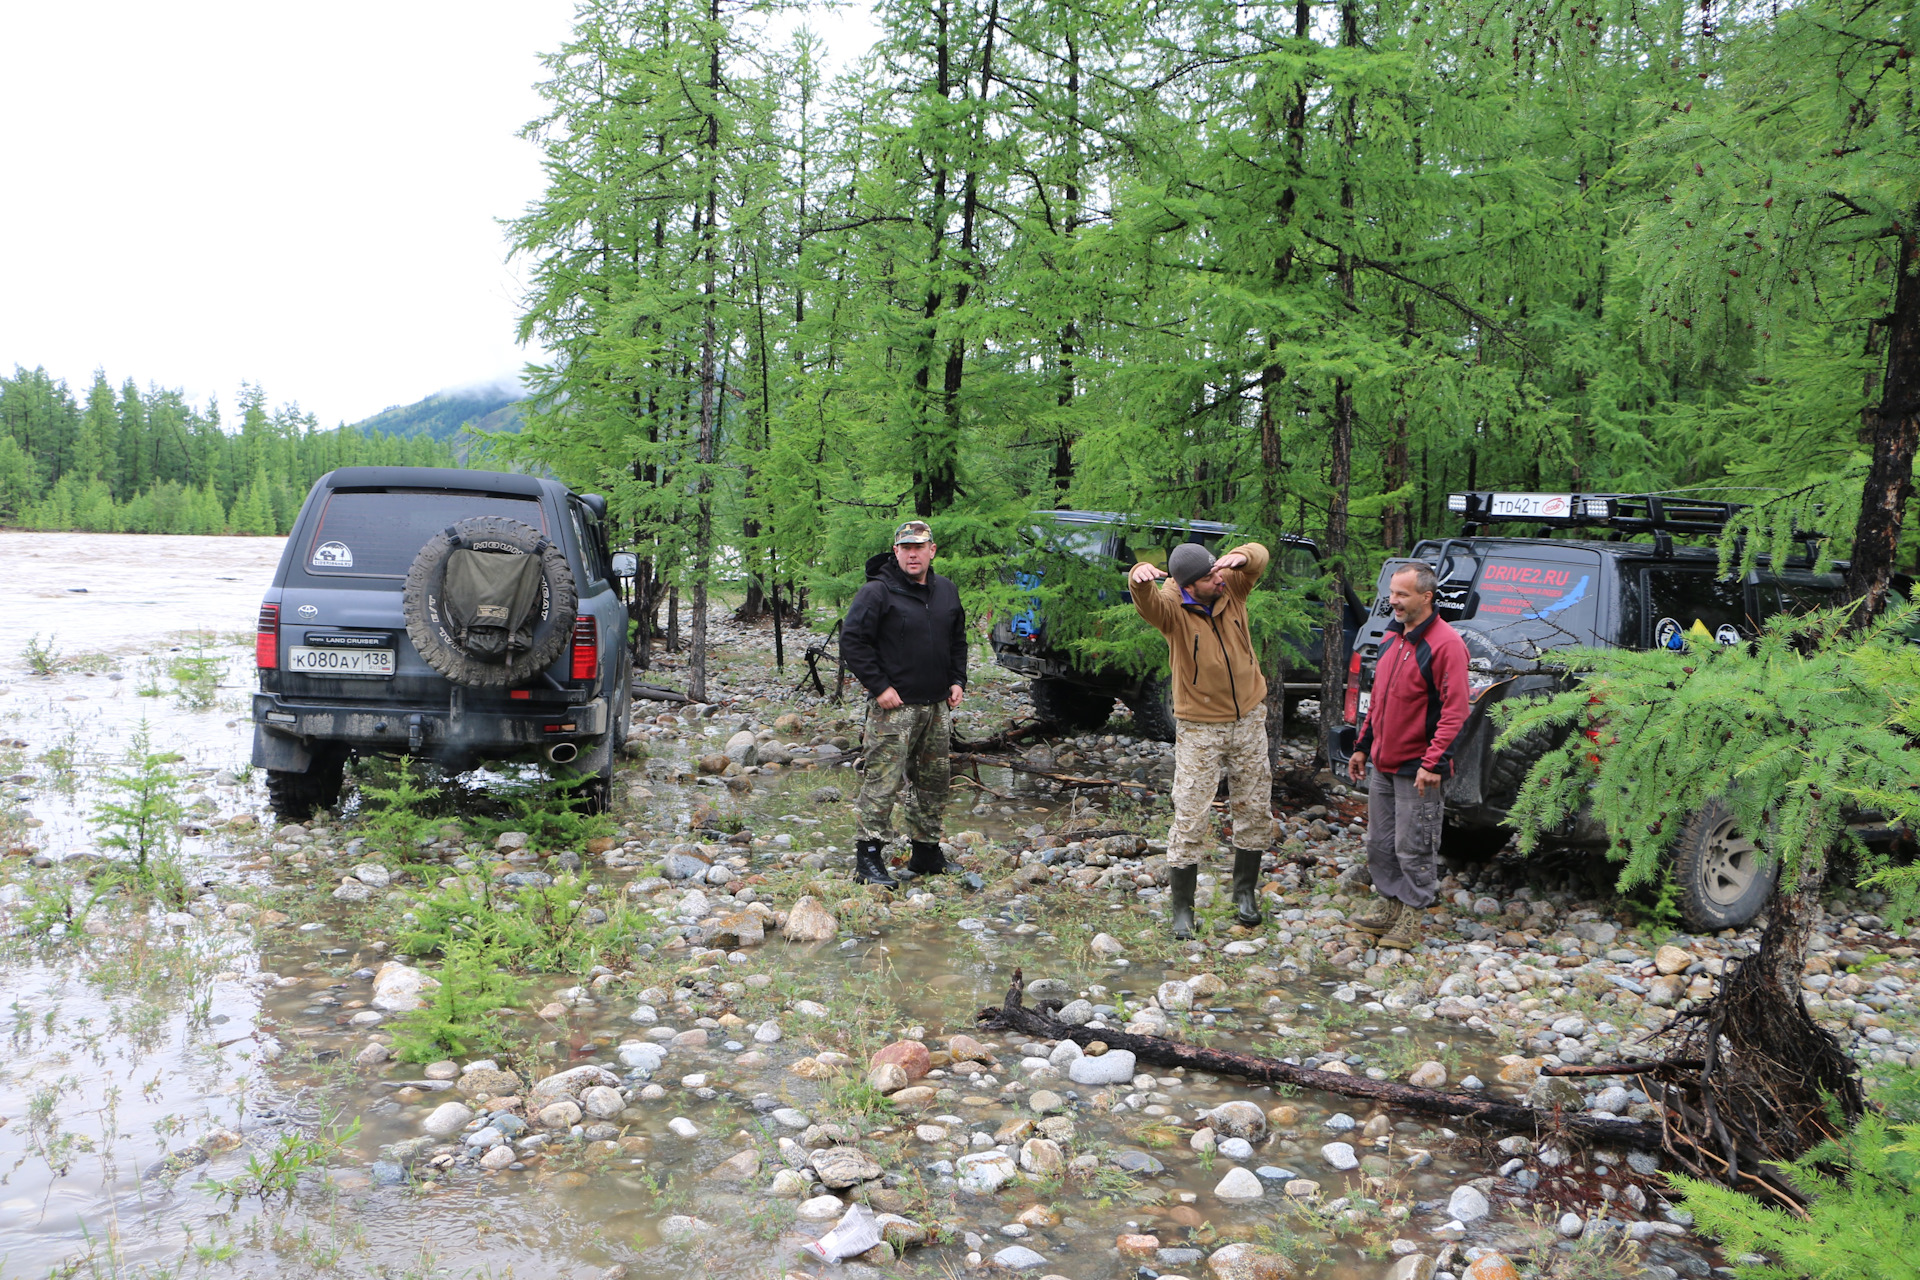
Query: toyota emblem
point(309, 611)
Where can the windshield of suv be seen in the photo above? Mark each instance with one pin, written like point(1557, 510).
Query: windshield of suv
point(377, 533)
point(1530, 602)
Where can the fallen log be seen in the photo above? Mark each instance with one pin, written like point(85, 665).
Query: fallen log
point(1005, 738)
point(658, 693)
point(1067, 779)
point(1013, 1015)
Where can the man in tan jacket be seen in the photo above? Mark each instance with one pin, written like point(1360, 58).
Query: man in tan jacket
point(1220, 715)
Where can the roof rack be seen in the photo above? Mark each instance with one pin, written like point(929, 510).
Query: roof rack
point(1621, 512)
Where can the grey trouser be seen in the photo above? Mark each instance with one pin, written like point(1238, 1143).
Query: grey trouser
point(1403, 837)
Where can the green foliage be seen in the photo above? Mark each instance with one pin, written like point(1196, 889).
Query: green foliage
point(1792, 732)
point(277, 1170)
point(397, 804)
point(41, 656)
point(139, 814)
point(542, 928)
point(1863, 1223)
point(551, 812)
point(150, 462)
point(459, 1016)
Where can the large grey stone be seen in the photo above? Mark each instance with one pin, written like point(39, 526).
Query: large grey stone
point(1238, 1120)
point(1018, 1257)
point(448, 1119)
point(1467, 1204)
point(1239, 1184)
point(397, 988)
point(985, 1172)
point(843, 1167)
point(1113, 1067)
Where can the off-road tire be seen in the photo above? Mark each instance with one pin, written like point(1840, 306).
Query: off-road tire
point(1071, 706)
point(427, 625)
point(295, 796)
point(1507, 767)
point(1722, 878)
point(1152, 711)
point(1472, 844)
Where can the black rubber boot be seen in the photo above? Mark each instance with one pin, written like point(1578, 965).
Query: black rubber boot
point(1184, 880)
point(1246, 887)
point(870, 864)
point(927, 859)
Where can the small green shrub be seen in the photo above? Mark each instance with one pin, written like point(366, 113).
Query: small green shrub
point(41, 656)
point(140, 813)
point(459, 1015)
point(1864, 1222)
point(399, 805)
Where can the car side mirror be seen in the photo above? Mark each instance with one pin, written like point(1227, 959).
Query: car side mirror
point(625, 564)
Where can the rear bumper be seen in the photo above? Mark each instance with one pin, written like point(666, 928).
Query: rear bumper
point(286, 730)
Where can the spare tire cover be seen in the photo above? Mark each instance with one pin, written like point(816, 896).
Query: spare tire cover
point(435, 633)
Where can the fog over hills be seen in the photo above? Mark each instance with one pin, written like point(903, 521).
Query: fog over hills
point(489, 407)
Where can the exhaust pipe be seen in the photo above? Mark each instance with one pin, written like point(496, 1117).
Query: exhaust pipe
point(562, 752)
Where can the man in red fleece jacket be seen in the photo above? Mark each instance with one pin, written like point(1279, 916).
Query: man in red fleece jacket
point(1419, 703)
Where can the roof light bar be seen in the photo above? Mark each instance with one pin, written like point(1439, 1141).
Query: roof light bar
point(1622, 512)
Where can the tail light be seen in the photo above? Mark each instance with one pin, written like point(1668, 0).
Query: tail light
point(586, 648)
point(266, 639)
point(1351, 711)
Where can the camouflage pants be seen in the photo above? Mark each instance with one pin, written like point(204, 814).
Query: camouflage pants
point(905, 748)
point(1200, 752)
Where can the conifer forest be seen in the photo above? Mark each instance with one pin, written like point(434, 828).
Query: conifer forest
point(1305, 267)
point(133, 461)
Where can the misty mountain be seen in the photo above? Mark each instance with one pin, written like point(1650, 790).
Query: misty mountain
point(442, 414)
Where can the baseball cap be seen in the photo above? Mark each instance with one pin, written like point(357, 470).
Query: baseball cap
point(913, 531)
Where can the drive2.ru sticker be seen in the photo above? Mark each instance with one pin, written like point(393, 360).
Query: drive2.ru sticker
point(333, 555)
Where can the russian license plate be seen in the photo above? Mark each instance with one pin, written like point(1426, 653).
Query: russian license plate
point(340, 662)
point(1546, 505)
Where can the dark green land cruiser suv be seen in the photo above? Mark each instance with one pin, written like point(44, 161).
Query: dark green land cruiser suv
point(1514, 600)
point(1078, 694)
point(457, 616)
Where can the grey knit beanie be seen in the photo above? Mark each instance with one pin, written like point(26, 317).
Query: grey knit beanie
point(1188, 563)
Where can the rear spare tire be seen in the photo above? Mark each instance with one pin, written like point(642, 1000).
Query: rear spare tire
point(1724, 879)
point(1071, 706)
point(434, 622)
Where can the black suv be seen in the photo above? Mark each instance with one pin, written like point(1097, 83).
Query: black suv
point(371, 641)
point(1514, 600)
point(1077, 694)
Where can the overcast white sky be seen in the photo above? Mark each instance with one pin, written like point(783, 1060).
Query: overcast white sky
point(306, 197)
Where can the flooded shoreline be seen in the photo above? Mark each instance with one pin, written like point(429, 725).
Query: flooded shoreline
point(677, 1025)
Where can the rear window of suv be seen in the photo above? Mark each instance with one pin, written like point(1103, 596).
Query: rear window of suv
point(377, 533)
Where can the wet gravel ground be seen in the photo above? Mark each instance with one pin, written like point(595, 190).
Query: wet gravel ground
point(747, 1047)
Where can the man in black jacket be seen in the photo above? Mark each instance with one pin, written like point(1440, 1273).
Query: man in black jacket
point(905, 640)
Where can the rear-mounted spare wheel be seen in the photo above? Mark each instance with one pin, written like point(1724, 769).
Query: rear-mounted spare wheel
point(506, 610)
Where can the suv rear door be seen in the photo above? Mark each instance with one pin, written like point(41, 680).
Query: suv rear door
point(345, 566)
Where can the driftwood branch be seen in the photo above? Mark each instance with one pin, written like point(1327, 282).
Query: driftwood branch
point(1066, 779)
point(658, 693)
point(1015, 1016)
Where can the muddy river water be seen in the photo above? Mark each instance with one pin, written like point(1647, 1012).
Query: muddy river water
point(151, 1058)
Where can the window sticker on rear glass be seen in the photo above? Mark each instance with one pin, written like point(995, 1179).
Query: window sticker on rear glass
point(1528, 590)
point(1667, 635)
point(333, 555)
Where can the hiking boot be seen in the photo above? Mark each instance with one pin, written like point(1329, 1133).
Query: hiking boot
point(1184, 880)
point(927, 859)
point(870, 864)
point(1405, 934)
point(1378, 918)
point(1246, 887)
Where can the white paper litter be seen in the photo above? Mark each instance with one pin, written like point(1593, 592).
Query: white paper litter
point(854, 1234)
